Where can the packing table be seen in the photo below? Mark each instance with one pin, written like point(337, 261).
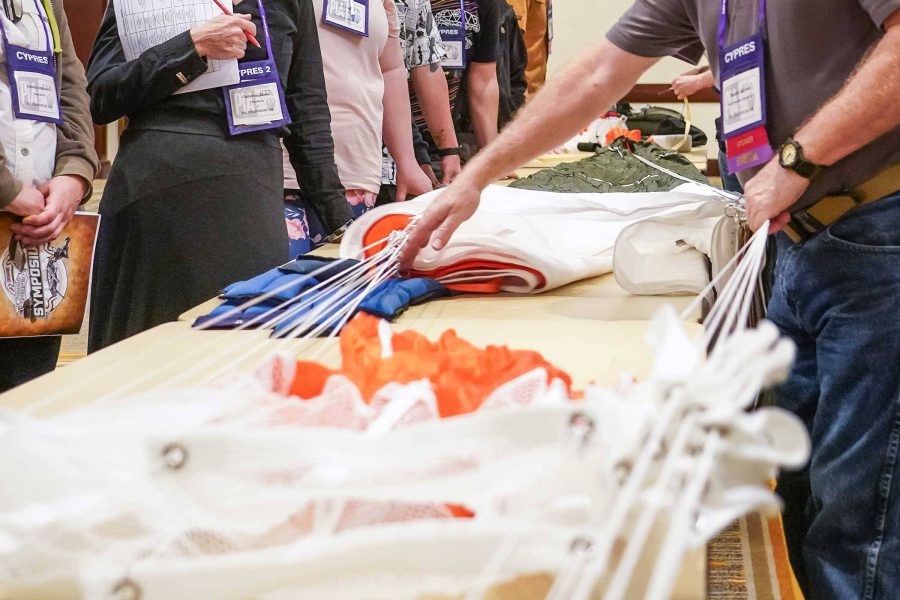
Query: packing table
point(592, 329)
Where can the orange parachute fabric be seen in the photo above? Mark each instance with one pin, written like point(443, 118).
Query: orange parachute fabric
point(461, 374)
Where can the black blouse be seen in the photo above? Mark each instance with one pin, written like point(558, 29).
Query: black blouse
point(143, 90)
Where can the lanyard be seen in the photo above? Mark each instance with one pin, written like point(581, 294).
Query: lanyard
point(265, 26)
point(47, 33)
point(723, 20)
point(54, 26)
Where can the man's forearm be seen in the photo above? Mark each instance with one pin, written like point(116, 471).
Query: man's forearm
point(845, 124)
point(562, 108)
point(484, 107)
point(434, 98)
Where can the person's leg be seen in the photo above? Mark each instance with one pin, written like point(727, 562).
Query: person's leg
point(361, 201)
point(844, 286)
point(730, 181)
point(296, 211)
point(799, 394)
point(23, 359)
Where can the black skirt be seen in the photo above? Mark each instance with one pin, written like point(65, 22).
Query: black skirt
point(183, 215)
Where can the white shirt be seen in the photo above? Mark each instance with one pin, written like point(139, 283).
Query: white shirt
point(29, 146)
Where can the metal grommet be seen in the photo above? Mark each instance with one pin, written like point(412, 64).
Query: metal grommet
point(623, 471)
point(175, 456)
point(582, 425)
point(127, 589)
point(581, 545)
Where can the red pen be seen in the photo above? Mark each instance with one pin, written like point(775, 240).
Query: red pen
point(250, 38)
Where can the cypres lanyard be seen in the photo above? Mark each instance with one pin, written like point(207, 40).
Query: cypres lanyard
point(723, 21)
point(32, 77)
point(742, 75)
point(257, 101)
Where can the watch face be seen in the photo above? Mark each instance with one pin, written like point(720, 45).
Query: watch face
point(789, 154)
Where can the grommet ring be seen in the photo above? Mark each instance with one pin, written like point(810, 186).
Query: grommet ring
point(127, 589)
point(581, 545)
point(175, 456)
point(582, 425)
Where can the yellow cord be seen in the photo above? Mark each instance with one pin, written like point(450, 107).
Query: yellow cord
point(54, 26)
point(687, 117)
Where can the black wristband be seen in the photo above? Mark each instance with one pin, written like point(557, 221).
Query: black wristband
point(457, 151)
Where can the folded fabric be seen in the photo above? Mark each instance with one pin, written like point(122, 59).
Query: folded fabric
point(526, 241)
point(615, 169)
point(289, 280)
point(388, 301)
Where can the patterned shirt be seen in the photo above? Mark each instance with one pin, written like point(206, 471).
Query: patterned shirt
point(420, 42)
point(482, 23)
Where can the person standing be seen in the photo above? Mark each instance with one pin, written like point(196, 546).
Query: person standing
point(420, 42)
point(470, 34)
point(536, 22)
point(823, 168)
point(47, 157)
point(195, 198)
point(365, 78)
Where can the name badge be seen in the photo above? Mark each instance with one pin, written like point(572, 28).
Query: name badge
point(257, 101)
point(349, 15)
point(452, 27)
point(32, 80)
point(742, 72)
point(37, 97)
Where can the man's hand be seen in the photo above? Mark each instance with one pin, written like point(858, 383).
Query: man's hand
point(223, 36)
point(62, 195)
point(688, 84)
point(411, 181)
point(770, 194)
point(451, 166)
point(443, 216)
point(29, 202)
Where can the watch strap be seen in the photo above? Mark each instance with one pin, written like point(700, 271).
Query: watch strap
point(456, 151)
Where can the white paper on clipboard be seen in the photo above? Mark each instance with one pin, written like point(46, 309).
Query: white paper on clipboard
point(144, 24)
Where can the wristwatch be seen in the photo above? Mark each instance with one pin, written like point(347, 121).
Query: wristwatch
point(790, 156)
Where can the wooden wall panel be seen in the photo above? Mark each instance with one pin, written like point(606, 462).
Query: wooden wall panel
point(84, 20)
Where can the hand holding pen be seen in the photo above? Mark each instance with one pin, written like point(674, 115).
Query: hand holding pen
point(224, 37)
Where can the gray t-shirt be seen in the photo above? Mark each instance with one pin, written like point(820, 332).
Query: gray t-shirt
point(813, 46)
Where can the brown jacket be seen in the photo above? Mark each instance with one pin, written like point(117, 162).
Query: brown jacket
point(75, 153)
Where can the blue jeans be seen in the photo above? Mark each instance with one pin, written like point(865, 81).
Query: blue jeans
point(838, 297)
point(730, 182)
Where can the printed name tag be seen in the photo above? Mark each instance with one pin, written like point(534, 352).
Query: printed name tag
point(452, 27)
point(37, 95)
point(256, 104)
point(32, 76)
point(742, 100)
point(349, 15)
